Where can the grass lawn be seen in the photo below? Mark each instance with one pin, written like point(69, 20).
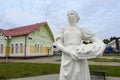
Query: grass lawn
point(110, 70)
point(16, 70)
point(104, 60)
point(112, 54)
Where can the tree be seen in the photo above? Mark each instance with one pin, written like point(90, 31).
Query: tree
point(112, 38)
point(106, 41)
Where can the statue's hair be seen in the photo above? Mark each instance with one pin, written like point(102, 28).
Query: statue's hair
point(77, 16)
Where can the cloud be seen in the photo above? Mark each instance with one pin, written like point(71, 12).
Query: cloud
point(97, 15)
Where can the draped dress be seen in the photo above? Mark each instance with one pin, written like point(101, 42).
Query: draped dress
point(72, 40)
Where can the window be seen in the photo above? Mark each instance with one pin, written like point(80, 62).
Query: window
point(41, 48)
point(12, 48)
point(35, 48)
point(16, 48)
point(21, 47)
point(1, 36)
point(38, 48)
point(1, 48)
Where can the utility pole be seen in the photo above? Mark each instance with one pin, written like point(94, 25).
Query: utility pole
point(7, 38)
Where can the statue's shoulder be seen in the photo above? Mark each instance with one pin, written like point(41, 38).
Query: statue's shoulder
point(86, 31)
point(86, 34)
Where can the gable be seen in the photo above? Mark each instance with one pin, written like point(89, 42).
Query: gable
point(43, 32)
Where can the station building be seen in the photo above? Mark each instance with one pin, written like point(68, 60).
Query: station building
point(27, 41)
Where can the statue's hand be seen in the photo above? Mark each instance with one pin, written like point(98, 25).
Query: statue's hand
point(74, 56)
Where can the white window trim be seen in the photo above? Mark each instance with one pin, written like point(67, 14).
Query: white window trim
point(14, 48)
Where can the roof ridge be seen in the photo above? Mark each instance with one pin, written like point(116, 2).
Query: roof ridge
point(25, 26)
point(22, 31)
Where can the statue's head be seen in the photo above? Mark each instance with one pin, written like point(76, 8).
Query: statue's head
point(73, 17)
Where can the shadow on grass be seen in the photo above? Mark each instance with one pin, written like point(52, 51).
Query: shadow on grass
point(3, 78)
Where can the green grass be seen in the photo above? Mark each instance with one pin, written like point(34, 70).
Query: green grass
point(112, 54)
point(101, 60)
point(104, 60)
point(17, 70)
point(110, 70)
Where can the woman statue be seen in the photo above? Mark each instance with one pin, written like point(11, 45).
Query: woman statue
point(74, 65)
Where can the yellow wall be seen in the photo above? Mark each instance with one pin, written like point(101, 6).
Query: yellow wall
point(32, 49)
point(4, 50)
point(44, 50)
point(8, 49)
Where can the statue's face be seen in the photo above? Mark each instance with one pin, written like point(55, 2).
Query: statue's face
point(71, 17)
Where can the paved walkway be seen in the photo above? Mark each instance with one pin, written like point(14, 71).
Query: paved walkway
point(35, 60)
point(56, 77)
point(104, 63)
point(53, 59)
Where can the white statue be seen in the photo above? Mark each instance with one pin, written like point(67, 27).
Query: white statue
point(74, 65)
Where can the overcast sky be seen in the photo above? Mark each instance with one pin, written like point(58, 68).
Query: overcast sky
point(102, 17)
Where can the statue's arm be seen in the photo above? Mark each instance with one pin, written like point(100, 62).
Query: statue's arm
point(89, 36)
point(60, 46)
point(95, 39)
point(94, 49)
